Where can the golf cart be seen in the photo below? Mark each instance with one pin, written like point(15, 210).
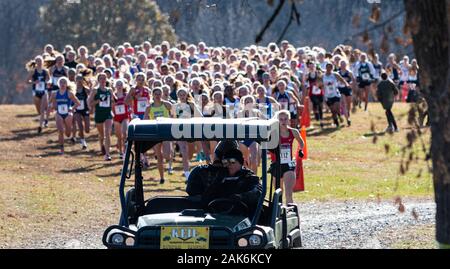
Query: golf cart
point(163, 222)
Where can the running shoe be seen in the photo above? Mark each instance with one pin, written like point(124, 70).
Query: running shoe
point(83, 144)
point(39, 130)
point(107, 158)
point(121, 156)
point(46, 123)
point(73, 140)
point(170, 171)
point(349, 123)
point(103, 150)
point(161, 181)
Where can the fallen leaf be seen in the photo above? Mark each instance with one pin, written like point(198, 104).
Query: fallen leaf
point(414, 214)
point(401, 208)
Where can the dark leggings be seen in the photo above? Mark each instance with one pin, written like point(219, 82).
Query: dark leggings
point(391, 119)
point(317, 107)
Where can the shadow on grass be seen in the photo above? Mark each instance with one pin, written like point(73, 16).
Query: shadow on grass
point(27, 115)
point(322, 132)
point(162, 190)
point(383, 133)
point(28, 133)
point(90, 168)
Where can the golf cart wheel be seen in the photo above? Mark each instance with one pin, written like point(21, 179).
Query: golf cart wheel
point(297, 242)
point(130, 200)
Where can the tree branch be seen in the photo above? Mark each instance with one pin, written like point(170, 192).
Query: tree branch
point(270, 21)
point(291, 18)
point(375, 27)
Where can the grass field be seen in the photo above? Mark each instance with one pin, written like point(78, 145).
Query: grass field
point(41, 190)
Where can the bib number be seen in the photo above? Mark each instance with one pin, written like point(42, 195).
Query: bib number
point(105, 101)
point(81, 106)
point(63, 109)
point(119, 109)
point(141, 106)
point(40, 87)
point(316, 90)
point(292, 108)
point(55, 81)
point(330, 90)
point(366, 76)
point(284, 105)
point(285, 154)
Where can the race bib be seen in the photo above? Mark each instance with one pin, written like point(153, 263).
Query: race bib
point(119, 109)
point(330, 90)
point(81, 106)
point(105, 101)
point(55, 80)
point(40, 87)
point(366, 76)
point(63, 109)
point(316, 90)
point(284, 105)
point(285, 154)
point(231, 110)
point(292, 108)
point(158, 114)
point(141, 106)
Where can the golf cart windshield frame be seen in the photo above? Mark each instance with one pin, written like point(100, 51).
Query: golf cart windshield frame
point(144, 134)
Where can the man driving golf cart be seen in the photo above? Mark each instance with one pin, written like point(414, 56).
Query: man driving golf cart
point(239, 185)
point(202, 175)
point(235, 209)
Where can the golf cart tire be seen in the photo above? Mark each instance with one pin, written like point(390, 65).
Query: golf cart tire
point(297, 241)
point(130, 200)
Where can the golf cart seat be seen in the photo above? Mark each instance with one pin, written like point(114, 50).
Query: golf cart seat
point(170, 204)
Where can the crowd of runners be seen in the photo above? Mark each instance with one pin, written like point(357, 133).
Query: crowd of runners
point(114, 85)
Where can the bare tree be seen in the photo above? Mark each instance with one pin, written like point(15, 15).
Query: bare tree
point(428, 22)
point(18, 38)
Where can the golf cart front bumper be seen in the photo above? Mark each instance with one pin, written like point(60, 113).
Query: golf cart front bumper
point(118, 237)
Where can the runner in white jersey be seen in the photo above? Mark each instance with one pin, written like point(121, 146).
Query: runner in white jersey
point(332, 95)
point(365, 77)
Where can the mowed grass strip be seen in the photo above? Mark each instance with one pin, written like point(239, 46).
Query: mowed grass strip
point(43, 192)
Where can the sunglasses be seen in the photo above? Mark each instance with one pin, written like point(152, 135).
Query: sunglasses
point(230, 161)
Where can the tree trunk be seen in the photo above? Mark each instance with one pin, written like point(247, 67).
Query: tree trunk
point(428, 21)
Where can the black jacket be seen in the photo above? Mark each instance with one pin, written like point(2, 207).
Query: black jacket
point(201, 178)
point(245, 183)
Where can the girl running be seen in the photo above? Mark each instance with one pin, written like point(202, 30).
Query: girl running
point(81, 115)
point(267, 104)
point(249, 147)
point(365, 75)
point(38, 77)
point(185, 108)
point(101, 99)
point(287, 171)
point(62, 100)
point(346, 91)
point(315, 92)
point(121, 115)
point(332, 95)
point(287, 101)
point(139, 96)
point(161, 108)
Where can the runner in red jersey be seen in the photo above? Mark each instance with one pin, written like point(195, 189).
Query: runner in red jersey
point(139, 97)
point(121, 115)
point(287, 163)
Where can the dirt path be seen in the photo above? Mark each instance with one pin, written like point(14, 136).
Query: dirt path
point(355, 225)
point(361, 225)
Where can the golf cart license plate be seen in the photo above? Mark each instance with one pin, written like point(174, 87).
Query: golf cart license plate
point(173, 237)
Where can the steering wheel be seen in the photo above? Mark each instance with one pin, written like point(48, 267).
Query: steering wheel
point(212, 206)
